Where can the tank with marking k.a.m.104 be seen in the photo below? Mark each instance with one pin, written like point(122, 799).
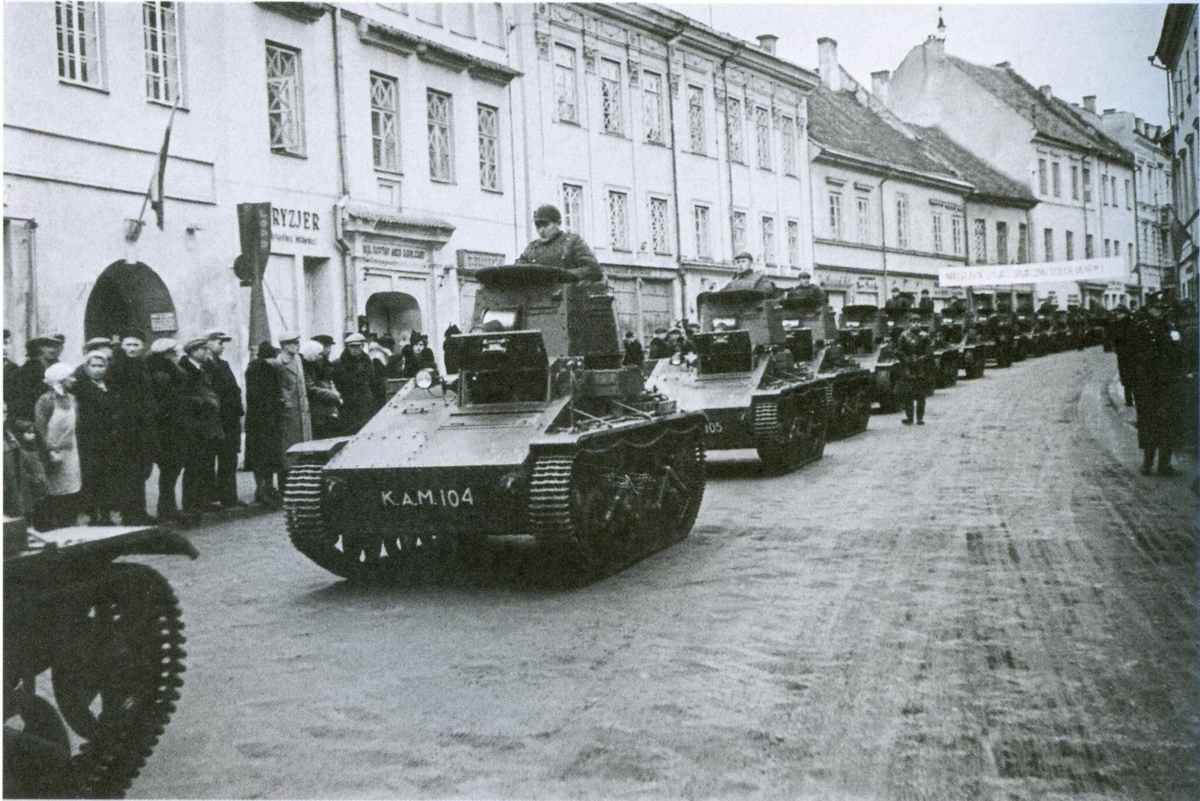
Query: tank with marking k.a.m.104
point(544, 433)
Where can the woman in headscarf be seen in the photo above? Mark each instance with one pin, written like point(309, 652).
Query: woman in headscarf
point(54, 417)
point(98, 438)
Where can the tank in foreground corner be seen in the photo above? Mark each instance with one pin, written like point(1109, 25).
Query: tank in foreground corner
point(543, 433)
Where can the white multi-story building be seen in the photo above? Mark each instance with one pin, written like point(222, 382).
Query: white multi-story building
point(1178, 50)
point(670, 147)
point(383, 140)
point(1080, 177)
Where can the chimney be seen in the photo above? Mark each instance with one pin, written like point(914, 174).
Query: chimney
point(1004, 65)
point(935, 46)
point(1139, 126)
point(880, 81)
point(1089, 102)
point(1045, 90)
point(1108, 111)
point(831, 73)
point(766, 42)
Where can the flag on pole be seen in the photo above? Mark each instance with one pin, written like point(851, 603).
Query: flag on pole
point(156, 183)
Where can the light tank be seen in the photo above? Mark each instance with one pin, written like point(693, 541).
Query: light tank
point(865, 335)
point(958, 326)
point(93, 658)
point(544, 434)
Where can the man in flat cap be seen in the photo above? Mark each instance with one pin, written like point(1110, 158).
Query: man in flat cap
point(39, 354)
point(220, 374)
point(200, 410)
point(356, 377)
point(296, 423)
point(812, 295)
point(557, 248)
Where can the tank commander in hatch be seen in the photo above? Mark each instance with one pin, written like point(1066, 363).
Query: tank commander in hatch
point(555, 247)
point(810, 293)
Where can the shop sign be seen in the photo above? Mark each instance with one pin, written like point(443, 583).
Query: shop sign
point(162, 322)
point(297, 227)
point(866, 283)
point(383, 250)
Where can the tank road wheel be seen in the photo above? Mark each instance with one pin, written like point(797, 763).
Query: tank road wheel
point(791, 433)
point(858, 410)
point(117, 682)
point(602, 510)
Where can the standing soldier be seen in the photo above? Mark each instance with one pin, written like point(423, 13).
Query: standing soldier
point(1160, 371)
point(200, 413)
point(557, 248)
point(925, 304)
point(166, 379)
point(1123, 340)
point(915, 352)
point(130, 379)
point(296, 422)
point(229, 394)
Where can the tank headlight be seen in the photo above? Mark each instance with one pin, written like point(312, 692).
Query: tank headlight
point(424, 379)
point(691, 359)
point(676, 358)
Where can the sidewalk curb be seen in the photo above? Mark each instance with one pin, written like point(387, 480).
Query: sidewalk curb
point(1116, 399)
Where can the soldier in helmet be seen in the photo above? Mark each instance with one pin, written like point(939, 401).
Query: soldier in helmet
point(555, 247)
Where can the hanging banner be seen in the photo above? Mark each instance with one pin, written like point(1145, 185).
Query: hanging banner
point(1108, 269)
point(254, 227)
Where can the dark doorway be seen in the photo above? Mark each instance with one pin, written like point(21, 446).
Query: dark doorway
point(128, 295)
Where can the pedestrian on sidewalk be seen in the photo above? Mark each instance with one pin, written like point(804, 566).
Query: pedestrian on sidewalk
point(98, 435)
point(11, 371)
point(421, 357)
point(229, 395)
point(1160, 374)
point(296, 420)
point(200, 411)
point(166, 378)
point(264, 419)
point(28, 386)
point(324, 401)
point(635, 354)
point(914, 350)
point(355, 376)
point(130, 379)
point(55, 417)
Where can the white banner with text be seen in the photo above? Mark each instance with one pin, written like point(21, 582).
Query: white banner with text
point(1105, 270)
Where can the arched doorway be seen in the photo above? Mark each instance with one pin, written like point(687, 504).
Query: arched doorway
point(128, 295)
point(394, 313)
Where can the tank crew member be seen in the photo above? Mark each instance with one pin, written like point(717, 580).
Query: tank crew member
point(956, 307)
point(925, 305)
point(808, 292)
point(557, 248)
point(897, 303)
point(1047, 307)
point(635, 354)
point(744, 263)
point(916, 362)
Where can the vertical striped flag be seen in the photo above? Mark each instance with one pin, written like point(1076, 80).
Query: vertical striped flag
point(155, 193)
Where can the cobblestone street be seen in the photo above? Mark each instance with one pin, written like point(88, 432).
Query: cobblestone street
point(996, 605)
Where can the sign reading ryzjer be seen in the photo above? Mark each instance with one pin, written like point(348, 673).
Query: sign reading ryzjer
point(1046, 272)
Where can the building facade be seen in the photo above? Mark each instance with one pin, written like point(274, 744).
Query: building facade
point(670, 147)
point(1082, 179)
point(1177, 51)
point(383, 140)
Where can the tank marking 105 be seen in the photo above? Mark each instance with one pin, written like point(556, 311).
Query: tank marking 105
point(429, 497)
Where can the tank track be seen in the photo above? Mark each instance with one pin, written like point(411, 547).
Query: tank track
point(382, 558)
point(121, 642)
point(853, 407)
point(775, 436)
point(570, 494)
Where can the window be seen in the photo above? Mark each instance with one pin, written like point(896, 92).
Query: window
point(1089, 246)
point(1048, 244)
point(737, 138)
point(1002, 243)
point(739, 232)
point(1104, 190)
point(700, 215)
point(1087, 185)
point(1128, 195)
point(459, 18)
point(572, 203)
point(285, 112)
point(902, 220)
point(938, 241)
point(835, 215)
point(696, 119)
point(1129, 251)
point(430, 12)
point(1116, 185)
point(618, 220)
point(864, 218)
point(489, 147)
point(956, 234)
point(762, 125)
point(793, 243)
point(652, 111)
point(1022, 243)
point(1107, 248)
point(610, 96)
point(440, 119)
point(383, 123)
point(980, 244)
point(77, 26)
point(489, 21)
point(789, 146)
point(1056, 178)
point(564, 84)
point(1070, 245)
point(659, 227)
point(768, 240)
point(160, 36)
point(1074, 182)
point(1042, 176)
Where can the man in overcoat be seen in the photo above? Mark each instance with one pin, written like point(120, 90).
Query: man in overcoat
point(200, 414)
point(355, 377)
point(137, 425)
point(220, 374)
